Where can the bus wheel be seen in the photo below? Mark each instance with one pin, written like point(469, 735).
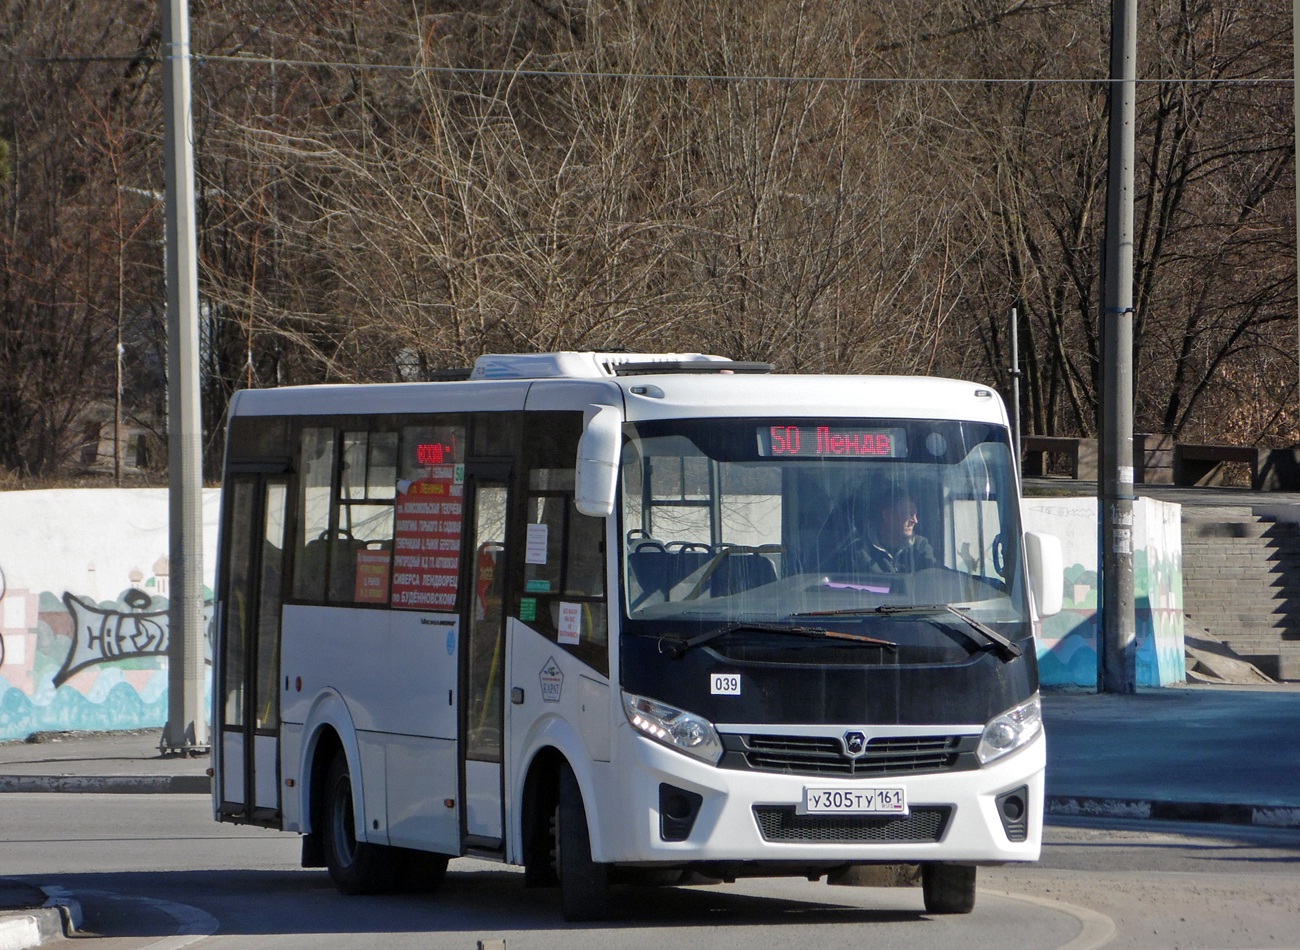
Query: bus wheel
point(584, 884)
point(948, 888)
point(356, 867)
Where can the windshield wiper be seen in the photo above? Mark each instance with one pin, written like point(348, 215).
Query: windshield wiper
point(677, 647)
point(1008, 648)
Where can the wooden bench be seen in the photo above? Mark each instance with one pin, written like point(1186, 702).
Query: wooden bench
point(1151, 456)
point(1277, 470)
point(1270, 469)
point(1080, 455)
point(1157, 461)
point(1204, 465)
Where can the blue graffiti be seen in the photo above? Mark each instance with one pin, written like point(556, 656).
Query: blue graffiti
point(3, 590)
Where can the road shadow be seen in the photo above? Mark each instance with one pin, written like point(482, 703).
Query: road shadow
point(274, 902)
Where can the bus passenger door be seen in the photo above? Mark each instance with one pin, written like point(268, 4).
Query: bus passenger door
point(487, 494)
point(249, 730)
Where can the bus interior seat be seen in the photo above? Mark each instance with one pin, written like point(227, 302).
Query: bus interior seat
point(741, 572)
point(654, 571)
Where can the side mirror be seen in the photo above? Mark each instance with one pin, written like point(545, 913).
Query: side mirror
point(1046, 572)
point(597, 465)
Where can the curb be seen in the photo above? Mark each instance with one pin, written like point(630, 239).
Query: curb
point(1143, 809)
point(60, 917)
point(116, 784)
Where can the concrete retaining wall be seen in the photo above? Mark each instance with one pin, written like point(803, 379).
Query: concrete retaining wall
point(83, 608)
point(1067, 651)
point(83, 603)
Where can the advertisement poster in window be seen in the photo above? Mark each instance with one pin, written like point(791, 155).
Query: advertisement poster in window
point(429, 523)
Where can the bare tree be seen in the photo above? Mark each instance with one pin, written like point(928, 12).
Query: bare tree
point(389, 189)
point(74, 251)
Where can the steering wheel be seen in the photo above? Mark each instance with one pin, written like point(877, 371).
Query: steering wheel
point(1000, 556)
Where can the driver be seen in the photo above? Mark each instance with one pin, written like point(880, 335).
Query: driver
point(892, 544)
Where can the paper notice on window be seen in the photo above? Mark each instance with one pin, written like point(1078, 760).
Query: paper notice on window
point(535, 547)
point(428, 518)
point(570, 628)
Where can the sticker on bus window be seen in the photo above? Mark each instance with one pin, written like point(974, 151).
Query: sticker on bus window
point(528, 608)
point(570, 626)
point(535, 546)
point(724, 684)
point(372, 577)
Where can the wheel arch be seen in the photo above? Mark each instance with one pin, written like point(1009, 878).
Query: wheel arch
point(329, 731)
point(552, 741)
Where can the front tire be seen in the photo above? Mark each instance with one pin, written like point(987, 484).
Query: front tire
point(948, 888)
point(584, 884)
point(356, 867)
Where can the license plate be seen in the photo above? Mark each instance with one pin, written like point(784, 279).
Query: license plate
point(854, 801)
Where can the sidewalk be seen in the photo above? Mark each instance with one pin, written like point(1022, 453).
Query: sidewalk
point(1207, 753)
point(99, 762)
point(1219, 754)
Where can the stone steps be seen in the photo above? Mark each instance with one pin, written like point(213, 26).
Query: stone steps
point(1241, 585)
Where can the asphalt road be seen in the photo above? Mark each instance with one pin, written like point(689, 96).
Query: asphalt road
point(155, 872)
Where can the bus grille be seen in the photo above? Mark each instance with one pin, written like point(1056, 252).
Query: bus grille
point(781, 823)
point(824, 755)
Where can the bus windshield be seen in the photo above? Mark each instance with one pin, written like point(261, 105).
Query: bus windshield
point(764, 520)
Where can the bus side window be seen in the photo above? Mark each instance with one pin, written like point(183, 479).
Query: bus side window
point(564, 573)
point(343, 549)
point(585, 570)
point(315, 481)
point(563, 591)
point(363, 539)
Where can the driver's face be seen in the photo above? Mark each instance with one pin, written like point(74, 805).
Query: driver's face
point(898, 522)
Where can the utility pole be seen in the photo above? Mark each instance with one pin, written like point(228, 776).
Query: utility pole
point(1295, 85)
point(187, 726)
point(1014, 334)
point(1117, 653)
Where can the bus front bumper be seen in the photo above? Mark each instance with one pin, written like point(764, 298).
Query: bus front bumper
point(733, 816)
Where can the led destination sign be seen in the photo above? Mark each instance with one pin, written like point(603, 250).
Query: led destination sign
point(806, 441)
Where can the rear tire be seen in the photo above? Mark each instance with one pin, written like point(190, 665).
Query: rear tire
point(356, 867)
point(948, 888)
point(584, 884)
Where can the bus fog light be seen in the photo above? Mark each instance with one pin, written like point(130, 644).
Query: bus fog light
point(675, 728)
point(1013, 810)
point(1010, 731)
point(678, 809)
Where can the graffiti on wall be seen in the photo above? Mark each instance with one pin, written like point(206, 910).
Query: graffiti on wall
point(2, 633)
point(103, 636)
point(70, 662)
point(84, 590)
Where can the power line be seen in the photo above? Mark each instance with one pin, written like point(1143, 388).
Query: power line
point(508, 72)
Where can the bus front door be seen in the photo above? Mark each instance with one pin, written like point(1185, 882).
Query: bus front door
point(488, 498)
point(249, 730)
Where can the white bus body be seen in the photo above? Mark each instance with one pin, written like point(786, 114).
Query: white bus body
point(618, 616)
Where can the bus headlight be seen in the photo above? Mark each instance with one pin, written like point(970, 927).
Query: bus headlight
point(680, 730)
point(1008, 732)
